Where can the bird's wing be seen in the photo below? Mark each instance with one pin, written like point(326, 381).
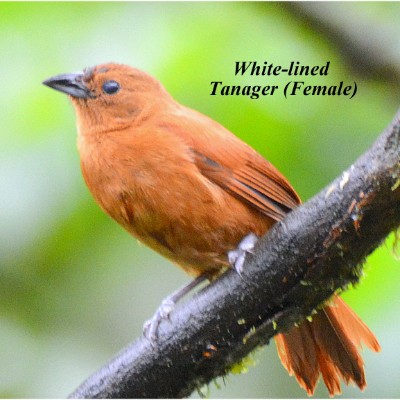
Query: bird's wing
point(231, 164)
point(251, 179)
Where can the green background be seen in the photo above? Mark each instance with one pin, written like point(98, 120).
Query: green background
point(74, 287)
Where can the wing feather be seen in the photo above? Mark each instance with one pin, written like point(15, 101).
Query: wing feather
point(262, 188)
point(231, 164)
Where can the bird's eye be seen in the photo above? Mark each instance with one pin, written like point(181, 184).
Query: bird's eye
point(111, 87)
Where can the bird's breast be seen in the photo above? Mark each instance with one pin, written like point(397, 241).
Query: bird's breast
point(157, 193)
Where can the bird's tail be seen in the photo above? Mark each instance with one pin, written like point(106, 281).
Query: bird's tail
point(328, 345)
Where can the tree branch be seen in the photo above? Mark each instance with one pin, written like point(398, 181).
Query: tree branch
point(368, 52)
point(298, 265)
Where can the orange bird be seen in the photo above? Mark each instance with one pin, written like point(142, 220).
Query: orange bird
point(188, 188)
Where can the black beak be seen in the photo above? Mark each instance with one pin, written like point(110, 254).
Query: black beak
point(71, 84)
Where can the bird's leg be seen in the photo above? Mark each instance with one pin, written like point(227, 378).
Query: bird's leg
point(150, 327)
point(236, 257)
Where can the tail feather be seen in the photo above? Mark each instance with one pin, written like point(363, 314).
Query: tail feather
point(298, 354)
point(328, 345)
point(351, 324)
point(329, 374)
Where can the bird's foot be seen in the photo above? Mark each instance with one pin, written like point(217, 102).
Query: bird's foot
point(236, 257)
point(150, 327)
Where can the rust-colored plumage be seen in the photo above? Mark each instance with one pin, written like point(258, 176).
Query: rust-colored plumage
point(191, 190)
point(328, 345)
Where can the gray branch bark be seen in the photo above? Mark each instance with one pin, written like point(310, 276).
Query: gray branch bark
point(319, 248)
point(368, 51)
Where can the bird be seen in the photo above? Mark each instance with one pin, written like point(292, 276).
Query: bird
point(188, 188)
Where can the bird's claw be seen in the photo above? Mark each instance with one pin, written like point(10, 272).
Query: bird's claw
point(236, 257)
point(150, 327)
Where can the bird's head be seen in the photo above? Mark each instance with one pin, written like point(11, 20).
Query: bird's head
point(110, 96)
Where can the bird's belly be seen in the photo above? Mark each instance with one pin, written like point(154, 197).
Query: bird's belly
point(194, 234)
point(178, 213)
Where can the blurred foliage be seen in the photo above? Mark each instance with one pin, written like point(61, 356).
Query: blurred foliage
point(74, 287)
